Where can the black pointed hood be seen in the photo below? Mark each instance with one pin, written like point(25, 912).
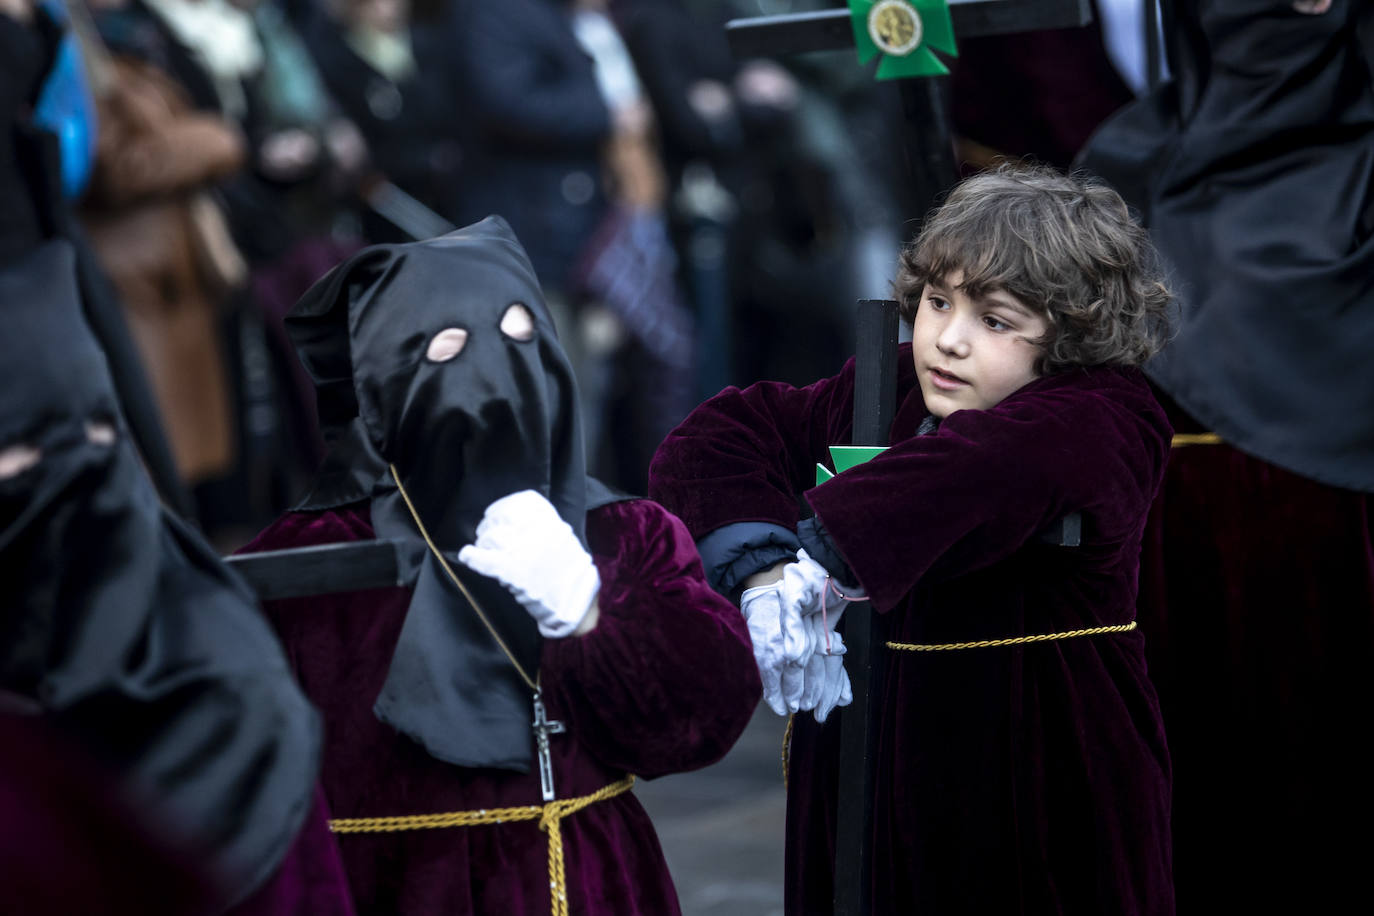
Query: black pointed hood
point(497, 417)
point(121, 624)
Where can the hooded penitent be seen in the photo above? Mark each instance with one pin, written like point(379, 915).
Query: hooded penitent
point(1254, 169)
point(120, 626)
point(440, 359)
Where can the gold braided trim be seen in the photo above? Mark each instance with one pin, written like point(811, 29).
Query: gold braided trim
point(549, 815)
point(1011, 641)
point(1182, 440)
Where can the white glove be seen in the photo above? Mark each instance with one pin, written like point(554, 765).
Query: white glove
point(777, 632)
point(800, 682)
point(815, 678)
point(524, 544)
point(805, 584)
point(787, 644)
point(826, 682)
point(819, 683)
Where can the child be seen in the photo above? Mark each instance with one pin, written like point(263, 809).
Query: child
point(533, 594)
point(1030, 777)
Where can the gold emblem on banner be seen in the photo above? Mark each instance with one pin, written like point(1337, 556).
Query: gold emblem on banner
point(895, 27)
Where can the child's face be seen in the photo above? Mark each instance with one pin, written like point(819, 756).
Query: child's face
point(971, 353)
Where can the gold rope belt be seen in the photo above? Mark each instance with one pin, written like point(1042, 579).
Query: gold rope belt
point(1010, 641)
point(549, 815)
point(976, 644)
point(1183, 439)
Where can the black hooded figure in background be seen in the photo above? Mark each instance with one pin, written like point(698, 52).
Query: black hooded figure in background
point(1254, 169)
point(133, 656)
point(531, 593)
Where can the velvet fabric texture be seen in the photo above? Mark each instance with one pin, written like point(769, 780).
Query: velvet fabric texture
point(1257, 589)
point(71, 845)
point(665, 682)
point(1017, 779)
point(310, 881)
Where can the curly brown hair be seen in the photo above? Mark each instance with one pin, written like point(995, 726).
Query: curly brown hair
point(1064, 245)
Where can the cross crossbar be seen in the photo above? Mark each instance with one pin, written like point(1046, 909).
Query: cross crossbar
point(320, 570)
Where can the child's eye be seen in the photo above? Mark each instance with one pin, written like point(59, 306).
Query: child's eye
point(997, 324)
point(937, 303)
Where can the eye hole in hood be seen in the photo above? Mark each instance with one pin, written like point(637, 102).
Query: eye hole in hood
point(447, 344)
point(517, 323)
point(16, 459)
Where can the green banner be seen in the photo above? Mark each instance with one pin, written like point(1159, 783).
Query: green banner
point(904, 32)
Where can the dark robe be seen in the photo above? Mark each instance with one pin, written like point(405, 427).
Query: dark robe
point(70, 844)
point(1254, 169)
point(122, 629)
point(664, 683)
point(1257, 587)
point(1036, 94)
point(1023, 779)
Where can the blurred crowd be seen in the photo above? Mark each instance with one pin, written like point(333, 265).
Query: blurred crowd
point(696, 220)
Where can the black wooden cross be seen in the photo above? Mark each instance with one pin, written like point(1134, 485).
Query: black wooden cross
point(929, 150)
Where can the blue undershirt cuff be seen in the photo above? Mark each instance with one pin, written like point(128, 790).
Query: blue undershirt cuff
point(815, 540)
point(734, 552)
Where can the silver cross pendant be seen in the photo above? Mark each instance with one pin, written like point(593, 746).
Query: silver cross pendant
point(543, 727)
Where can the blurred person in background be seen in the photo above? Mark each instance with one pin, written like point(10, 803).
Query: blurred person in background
point(392, 76)
point(564, 147)
point(48, 155)
point(164, 240)
point(714, 116)
point(189, 208)
point(1037, 95)
point(816, 188)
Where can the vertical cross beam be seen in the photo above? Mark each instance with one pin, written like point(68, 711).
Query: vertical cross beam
point(875, 399)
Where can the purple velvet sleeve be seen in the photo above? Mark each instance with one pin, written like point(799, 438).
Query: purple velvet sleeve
point(744, 455)
point(666, 681)
point(989, 480)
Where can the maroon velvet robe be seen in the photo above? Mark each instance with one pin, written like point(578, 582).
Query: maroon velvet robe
point(310, 880)
point(665, 682)
point(1020, 779)
point(1257, 587)
point(70, 842)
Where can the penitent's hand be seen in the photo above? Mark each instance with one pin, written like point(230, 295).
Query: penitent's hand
point(524, 544)
point(815, 679)
point(826, 684)
point(778, 635)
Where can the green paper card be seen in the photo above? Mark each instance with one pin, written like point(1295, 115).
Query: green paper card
point(846, 457)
